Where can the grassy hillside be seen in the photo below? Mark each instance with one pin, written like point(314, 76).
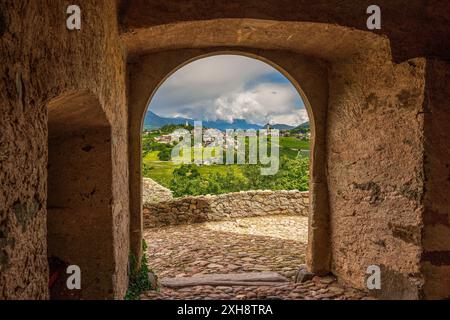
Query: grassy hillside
point(162, 171)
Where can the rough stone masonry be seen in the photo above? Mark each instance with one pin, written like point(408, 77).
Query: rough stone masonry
point(242, 204)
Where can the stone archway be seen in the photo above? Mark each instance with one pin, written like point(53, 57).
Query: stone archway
point(313, 90)
point(371, 114)
point(386, 107)
point(79, 193)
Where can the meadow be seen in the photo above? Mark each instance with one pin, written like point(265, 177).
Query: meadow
point(162, 171)
point(239, 177)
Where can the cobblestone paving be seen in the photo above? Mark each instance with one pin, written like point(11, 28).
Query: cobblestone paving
point(276, 243)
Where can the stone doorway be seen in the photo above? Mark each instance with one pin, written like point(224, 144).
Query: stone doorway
point(279, 245)
point(79, 220)
point(314, 91)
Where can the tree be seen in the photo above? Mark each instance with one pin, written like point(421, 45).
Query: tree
point(165, 154)
point(293, 174)
point(146, 170)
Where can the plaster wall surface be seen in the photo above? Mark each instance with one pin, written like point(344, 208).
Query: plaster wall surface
point(375, 166)
point(79, 220)
point(415, 28)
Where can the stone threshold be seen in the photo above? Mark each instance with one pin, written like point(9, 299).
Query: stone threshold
point(229, 279)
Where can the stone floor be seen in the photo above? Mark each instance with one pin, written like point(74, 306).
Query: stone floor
point(276, 243)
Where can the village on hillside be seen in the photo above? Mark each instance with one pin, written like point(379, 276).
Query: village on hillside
point(210, 136)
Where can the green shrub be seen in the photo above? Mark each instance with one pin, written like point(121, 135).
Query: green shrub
point(138, 277)
point(165, 154)
point(292, 174)
point(146, 170)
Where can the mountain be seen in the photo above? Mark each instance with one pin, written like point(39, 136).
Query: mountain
point(304, 127)
point(236, 124)
point(153, 121)
point(279, 126)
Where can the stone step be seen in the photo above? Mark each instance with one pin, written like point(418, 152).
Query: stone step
point(228, 279)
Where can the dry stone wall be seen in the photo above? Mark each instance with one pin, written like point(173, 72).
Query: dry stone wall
point(154, 192)
point(194, 209)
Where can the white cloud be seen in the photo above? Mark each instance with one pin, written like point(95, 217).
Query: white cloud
point(228, 87)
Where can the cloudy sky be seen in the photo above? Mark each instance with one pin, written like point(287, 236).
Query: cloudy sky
point(228, 87)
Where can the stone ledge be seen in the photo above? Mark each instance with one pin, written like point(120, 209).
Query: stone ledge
point(240, 279)
point(254, 203)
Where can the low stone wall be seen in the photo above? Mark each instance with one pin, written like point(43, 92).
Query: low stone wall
point(226, 206)
point(154, 192)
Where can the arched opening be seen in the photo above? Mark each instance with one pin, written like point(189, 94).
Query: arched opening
point(79, 218)
point(150, 71)
point(300, 116)
point(167, 216)
point(348, 105)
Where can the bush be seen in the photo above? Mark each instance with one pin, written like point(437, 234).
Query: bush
point(292, 174)
point(165, 154)
point(146, 169)
point(138, 277)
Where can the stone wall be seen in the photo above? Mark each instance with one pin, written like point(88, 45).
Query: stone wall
point(375, 167)
point(154, 192)
point(436, 217)
point(41, 62)
point(409, 37)
point(226, 206)
point(370, 137)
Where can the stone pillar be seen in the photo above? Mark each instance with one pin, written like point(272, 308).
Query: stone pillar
point(435, 259)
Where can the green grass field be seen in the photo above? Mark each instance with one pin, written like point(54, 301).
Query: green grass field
point(161, 171)
point(294, 143)
point(151, 156)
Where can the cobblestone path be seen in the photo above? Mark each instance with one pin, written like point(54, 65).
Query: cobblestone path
point(276, 243)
